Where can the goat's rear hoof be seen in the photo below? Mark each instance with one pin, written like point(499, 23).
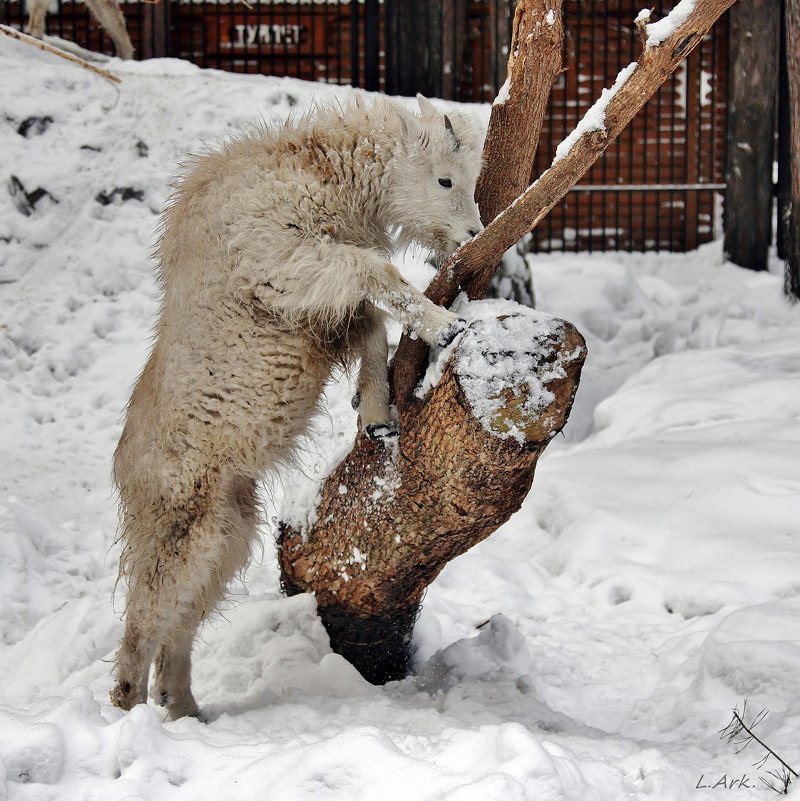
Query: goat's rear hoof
point(382, 432)
point(182, 706)
point(195, 713)
point(185, 709)
point(122, 696)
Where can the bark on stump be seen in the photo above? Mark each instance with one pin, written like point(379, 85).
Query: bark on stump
point(390, 518)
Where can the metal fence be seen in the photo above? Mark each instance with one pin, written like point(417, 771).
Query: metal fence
point(656, 188)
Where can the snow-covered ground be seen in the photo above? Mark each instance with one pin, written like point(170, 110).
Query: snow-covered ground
point(649, 584)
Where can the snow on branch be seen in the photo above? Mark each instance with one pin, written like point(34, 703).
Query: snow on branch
point(658, 32)
point(595, 117)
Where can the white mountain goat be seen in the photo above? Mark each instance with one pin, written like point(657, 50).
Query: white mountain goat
point(274, 263)
point(106, 12)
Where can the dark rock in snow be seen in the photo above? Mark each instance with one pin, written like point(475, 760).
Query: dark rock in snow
point(283, 97)
point(25, 201)
point(121, 193)
point(34, 126)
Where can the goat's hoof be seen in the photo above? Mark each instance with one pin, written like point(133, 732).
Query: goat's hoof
point(199, 716)
point(382, 432)
point(447, 335)
point(355, 401)
point(184, 708)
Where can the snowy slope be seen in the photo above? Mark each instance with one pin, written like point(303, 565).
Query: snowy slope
point(650, 582)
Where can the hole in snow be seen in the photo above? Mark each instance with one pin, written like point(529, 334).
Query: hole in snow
point(619, 595)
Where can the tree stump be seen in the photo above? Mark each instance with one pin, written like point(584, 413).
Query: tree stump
point(391, 516)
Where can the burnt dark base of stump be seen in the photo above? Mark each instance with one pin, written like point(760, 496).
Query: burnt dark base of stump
point(378, 647)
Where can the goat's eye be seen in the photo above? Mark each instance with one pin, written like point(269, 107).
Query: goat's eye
point(446, 183)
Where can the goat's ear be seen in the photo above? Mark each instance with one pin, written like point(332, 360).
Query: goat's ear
point(426, 108)
point(412, 129)
point(449, 128)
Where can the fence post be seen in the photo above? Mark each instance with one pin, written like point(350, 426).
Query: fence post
point(753, 83)
point(155, 30)
point(371, 46)
point(414, 59)
point(401, 50)
point(355, 46)
point(784, 145)
point(792, 56)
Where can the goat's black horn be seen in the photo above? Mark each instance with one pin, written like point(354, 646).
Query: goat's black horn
point(449, 126)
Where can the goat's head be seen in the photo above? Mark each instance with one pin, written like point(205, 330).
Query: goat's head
point(433, 185)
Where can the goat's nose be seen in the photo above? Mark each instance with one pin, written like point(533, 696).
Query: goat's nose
point(473, 231)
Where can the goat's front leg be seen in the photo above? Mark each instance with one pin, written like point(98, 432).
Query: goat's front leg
point(433, 324)
point(327, 281)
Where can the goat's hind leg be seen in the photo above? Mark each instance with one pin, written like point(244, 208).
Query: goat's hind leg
point(171, 644)
point(133, 663)
point(111, 18)
point(371, 400)
point(146, 567)
point(155, 562)
point(173, 672)
point(223, 540)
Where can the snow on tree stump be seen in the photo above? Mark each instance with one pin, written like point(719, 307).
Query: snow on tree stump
point(391, 515)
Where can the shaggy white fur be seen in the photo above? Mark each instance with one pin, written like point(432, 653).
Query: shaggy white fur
point(274, 262)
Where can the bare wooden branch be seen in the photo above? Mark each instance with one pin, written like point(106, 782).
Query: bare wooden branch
point(641, 26)
point(534, 62)
point(48, 48)
point(739, 732)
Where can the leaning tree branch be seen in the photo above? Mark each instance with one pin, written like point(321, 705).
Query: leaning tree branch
point(56, 51)
point(471, 267)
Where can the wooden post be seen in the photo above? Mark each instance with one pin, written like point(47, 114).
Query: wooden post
point(155, 31)
point(784, 146)
point(454, 31)
point(792, 10)
point(431, 58)
point(753, 84)
point(425, 46)
point(414, 45)
point(371, 46)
